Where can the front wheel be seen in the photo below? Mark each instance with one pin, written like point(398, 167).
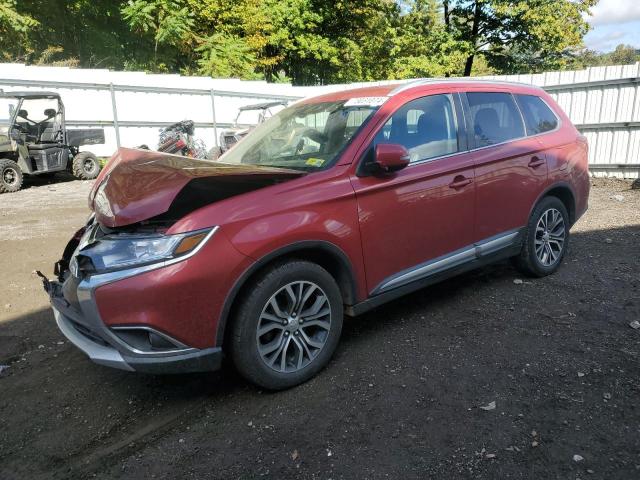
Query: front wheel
point(10, 176)
point(546, 239)
point(288, 325)
point(85, 166)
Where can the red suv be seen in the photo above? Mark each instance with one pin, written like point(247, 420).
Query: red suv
point(334, 206)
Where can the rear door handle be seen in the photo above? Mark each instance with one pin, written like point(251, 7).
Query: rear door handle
point(460, 181)
point(536, 161)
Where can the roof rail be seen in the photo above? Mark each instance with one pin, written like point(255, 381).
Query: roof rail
point(426, 81)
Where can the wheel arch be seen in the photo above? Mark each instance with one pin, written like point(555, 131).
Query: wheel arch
point(565, 194)
point(327, 255)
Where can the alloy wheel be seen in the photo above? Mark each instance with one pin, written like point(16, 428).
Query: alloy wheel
point(550, 237)
point(293, 327)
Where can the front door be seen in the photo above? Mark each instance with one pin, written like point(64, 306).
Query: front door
point(413, 218)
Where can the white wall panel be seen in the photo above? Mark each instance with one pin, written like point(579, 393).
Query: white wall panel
point(597, 95)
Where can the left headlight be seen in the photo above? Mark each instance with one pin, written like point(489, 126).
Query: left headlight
point(117, 252)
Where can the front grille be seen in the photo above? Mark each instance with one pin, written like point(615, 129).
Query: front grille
point(230, 140)
point(85, 332)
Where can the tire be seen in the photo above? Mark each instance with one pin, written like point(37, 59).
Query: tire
point(10, 176)
point(85, 166)
point(303, 349)
point(546, 239)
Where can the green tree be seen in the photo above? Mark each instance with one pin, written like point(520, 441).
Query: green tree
point(425, 46)
point(624, 55)
point(518, 35)
point(226, 56)
point(169, 22)
point(14, 27)
point(91, 31)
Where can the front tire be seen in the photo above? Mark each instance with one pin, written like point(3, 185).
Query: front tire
point(288, 325)
point(10, 176)
point(85, 166)
point(546, 239)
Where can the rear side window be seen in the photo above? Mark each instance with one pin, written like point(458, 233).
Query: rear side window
point(537, 115)
point(426, 127)
point(495, 117)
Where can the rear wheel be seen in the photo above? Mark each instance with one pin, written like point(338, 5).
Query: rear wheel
point(546, 239)
point(288, 326)
point(10, 176)
point(85, 166)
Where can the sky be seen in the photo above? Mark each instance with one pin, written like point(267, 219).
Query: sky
point(614, 22)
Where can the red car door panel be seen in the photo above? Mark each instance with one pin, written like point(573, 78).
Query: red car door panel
point(421, 213)
point(509, 178)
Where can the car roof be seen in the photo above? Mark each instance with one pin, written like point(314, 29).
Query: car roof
point(391, 89)
point(29, 94)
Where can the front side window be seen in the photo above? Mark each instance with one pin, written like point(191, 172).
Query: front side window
point(537, 115)
point(495, 117)
point(306, 136)
point(426, 127)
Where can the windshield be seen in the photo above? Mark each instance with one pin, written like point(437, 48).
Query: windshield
point(303, 136)
point(7, 107)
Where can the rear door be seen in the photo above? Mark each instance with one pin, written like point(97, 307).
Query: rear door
point(424, 211)
point(510, 168)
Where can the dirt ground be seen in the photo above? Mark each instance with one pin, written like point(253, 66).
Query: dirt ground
point(401, 399)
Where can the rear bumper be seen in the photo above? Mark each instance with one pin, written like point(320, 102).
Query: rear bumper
point(104, 347)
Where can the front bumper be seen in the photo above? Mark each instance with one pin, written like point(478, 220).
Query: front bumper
point(82, 326)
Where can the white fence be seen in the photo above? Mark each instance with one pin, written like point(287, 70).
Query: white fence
point(132, 106)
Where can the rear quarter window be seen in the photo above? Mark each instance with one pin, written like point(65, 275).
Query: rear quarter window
point(538, 117)
point(495, 118)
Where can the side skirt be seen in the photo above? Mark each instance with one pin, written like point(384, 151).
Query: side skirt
point(485, 254)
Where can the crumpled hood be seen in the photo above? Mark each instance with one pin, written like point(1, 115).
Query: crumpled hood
point(137, 185)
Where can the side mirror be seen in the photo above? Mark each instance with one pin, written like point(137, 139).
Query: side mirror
point(390, 157)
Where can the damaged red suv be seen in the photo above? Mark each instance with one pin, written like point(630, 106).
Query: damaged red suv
point(334, 206)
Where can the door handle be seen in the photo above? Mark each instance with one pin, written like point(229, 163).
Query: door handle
point(536, 161)
point(460, 181)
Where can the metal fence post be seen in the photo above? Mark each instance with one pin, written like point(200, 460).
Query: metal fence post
point(114, 108)
point(213, 114)
point(633, 114)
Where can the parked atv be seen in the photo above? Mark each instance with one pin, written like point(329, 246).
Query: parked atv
point(34, 140)
point(247, 119)
point(178, 139)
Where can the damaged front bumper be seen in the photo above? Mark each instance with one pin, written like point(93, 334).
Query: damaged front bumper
point(77, 317)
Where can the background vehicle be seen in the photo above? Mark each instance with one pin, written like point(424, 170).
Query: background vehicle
point(34, 140)
point(337, 205)
point(247, 119)
point(178, 139)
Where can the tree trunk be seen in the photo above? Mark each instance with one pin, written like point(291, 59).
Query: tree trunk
point(475, 28)
point(468, 65)
point(447, 20)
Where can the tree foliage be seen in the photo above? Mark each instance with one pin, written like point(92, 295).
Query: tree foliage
point(622, 55)
point(305, 41)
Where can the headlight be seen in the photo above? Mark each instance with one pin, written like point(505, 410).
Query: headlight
point(100, 202)
point(117, 252)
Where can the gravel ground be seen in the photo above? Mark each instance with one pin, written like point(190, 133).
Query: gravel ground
point(477, 377)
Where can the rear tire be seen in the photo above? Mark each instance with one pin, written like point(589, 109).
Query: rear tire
point(85, 166)
point(546, 239)
point(288, 325)
point(10, 176)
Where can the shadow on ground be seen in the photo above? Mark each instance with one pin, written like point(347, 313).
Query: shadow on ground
point(400, 398)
